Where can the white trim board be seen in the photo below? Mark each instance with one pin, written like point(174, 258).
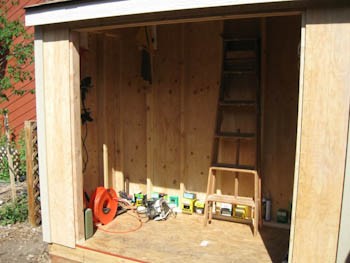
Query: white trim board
point(102, 9)
point(41, 124)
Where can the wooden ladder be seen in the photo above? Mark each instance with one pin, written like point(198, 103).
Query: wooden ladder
point(238, 106)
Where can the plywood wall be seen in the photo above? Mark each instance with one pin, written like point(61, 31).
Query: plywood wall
point(166, 109)
point(172, 133)
point(280, 110)
point(161, 134)
point(323, 137)
point(118, 108)
point(202, 69)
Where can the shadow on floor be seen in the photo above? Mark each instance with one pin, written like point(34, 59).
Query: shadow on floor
point(277, 250)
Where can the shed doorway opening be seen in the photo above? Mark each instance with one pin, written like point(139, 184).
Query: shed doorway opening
point(156, 114)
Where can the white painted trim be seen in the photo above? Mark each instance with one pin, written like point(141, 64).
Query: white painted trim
point(102, 9)
point(299, 139)
point(41, 124)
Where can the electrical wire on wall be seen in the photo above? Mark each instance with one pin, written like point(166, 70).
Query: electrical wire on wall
point(85, 86)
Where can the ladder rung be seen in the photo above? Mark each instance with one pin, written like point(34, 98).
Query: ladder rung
point(241, 45)
point(237, 103)
point(240, 56)
point(239, 166)
point(240, 72)
point(235, 135)
point(231, 39)
point(239, 200)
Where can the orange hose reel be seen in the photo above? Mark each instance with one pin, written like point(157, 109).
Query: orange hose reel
point(104, 204)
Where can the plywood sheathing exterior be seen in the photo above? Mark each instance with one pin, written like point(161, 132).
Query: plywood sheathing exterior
point(324, 123)
point(280, 110)
point(62, 123)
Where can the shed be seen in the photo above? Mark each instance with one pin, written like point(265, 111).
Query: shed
point(157, 71)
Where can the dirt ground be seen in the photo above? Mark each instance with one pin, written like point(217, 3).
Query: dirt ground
point(20, 242)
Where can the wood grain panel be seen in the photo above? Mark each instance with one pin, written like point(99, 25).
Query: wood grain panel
point(58, 136)
point(202, 79)
point(75, 125)
point(166, 111)
point(323, 135)
point(133, 113)
point(280, 110)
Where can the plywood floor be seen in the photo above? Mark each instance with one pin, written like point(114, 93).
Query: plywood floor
point(179, 239)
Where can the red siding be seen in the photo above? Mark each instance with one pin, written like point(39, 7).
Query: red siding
point(21, 108)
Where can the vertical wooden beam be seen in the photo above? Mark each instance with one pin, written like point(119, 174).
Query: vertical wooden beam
point(41, 124)
point(326, 100)
point(182, 115)
point(263, 73)
point(120, 182)
point(105, 166)
point(101, 104)
point(75, 123)
point(150, 139)
point(61, 156)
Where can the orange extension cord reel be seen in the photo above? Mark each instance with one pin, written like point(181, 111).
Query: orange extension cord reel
point(104, 205)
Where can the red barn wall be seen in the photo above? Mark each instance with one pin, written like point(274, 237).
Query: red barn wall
point(21, 108)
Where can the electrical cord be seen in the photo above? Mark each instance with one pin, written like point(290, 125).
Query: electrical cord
point(126, 231)
point(85, 86)
point(83, 140)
